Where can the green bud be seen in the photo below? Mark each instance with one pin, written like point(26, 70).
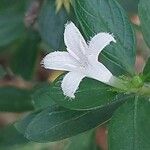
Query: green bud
point(137, 82)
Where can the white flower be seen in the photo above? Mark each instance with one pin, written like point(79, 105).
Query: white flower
point(81, 60)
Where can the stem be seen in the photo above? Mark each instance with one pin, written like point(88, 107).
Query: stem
point(32, 13)
point(118, 83)
point(124, 86)
point(145, 90)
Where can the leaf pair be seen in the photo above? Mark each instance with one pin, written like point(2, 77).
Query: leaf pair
point(56, 123)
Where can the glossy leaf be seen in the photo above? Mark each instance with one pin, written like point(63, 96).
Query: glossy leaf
point(41, 97)
point(107, 16)
point(15, 100)
point(91, 94)
point(51, 25)
point(25, 57)
point(144, 11)
point(129, 127)
point(24, 122)
point(55, 123)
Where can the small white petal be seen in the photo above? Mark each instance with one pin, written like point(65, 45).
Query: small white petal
point(74, 41)
point(70, 83)
point(98, 71)
point(60, 61)
point(98, 43)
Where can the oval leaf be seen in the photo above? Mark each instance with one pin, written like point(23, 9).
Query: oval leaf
point(24, 58)
point(97, 16)
point(41, 97)
point(129, 127)
point(91, 94)
point(55, 123)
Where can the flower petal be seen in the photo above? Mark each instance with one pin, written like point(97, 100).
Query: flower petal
point(60, 61)
point(98, 71)
point(74, 41)
point(70, 83)
point(98, 43)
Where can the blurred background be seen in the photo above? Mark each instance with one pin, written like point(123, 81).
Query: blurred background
point(29, 29)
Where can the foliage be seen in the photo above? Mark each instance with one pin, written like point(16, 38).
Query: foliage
point(31, 28)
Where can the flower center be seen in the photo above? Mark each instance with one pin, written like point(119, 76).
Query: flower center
point(84, 64)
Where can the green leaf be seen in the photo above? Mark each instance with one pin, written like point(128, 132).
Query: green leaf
point(15, 100)
point(51, 25)
point(144, 11)
point(11, 20)
point(146, 72)
point(38, 146)
point(2, 72)
point(25, 57)
point(16, 5)
point(91, 94)
point(9, 137)
point(130, 5)
point(129, 127)
point(55, 123)
point(41, 97)
point(11, 26)
point(23, 123)
point(84, 141)
point(97, 16)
